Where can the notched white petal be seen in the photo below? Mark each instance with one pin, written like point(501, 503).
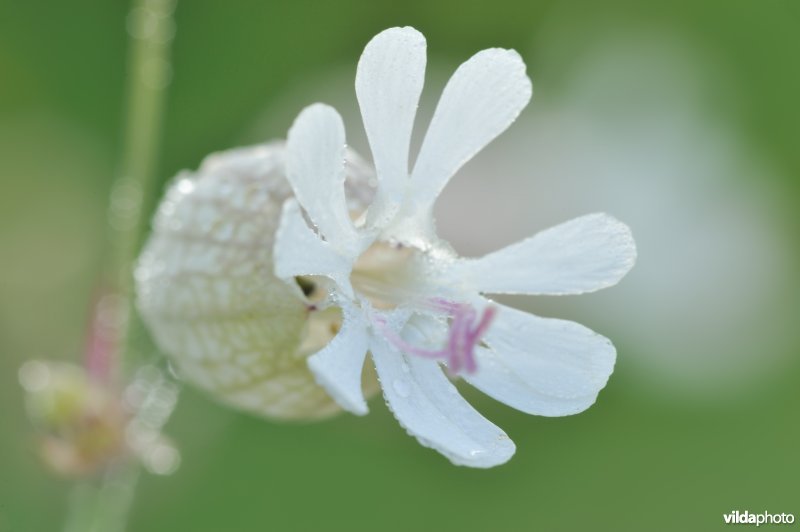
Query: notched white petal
point(338, 366)
point(582, 255)
point(484, 96)
point(543, 366)
point(315, 162)
point(499, 378)
point(389, 80)
point(300, 251)
point(430, 408)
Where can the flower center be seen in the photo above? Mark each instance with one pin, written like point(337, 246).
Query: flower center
point(385, 275)
point(391, 275)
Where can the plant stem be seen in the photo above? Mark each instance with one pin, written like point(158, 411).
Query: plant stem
point(103, 506)
point(151, 28)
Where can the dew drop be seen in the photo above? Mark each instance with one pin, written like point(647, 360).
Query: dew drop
point(141, 23)
point(156, 73)
point(173, 371)
point(401, 387)
point(162, 459)
point(185, 186)
point(34, 376)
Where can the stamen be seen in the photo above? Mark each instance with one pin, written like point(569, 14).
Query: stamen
point(465, 334)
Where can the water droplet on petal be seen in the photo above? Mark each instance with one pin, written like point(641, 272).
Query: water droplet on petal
point(401, 387)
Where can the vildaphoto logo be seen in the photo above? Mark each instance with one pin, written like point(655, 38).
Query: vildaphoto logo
point(765, 518)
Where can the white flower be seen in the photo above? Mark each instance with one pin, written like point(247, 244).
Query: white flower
point(405, 297)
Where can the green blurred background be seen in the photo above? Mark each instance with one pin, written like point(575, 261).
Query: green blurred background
point(673, 442)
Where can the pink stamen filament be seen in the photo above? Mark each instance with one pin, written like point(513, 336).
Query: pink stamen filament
point(464, 336)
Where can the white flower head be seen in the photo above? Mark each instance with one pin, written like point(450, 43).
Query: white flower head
point(405, 296)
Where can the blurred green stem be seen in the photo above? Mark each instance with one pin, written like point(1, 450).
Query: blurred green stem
point(104, 506)
point(151, 29)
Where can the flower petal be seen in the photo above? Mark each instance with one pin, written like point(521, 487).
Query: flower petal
point(484, 96)
point(389, 80)
point(338, 366)
point(315, 168)
point(582, 255)
point(299, 250)
point(542, 366)
point(429, 407)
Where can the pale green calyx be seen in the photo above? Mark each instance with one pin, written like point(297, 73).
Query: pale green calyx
point(207, 292)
